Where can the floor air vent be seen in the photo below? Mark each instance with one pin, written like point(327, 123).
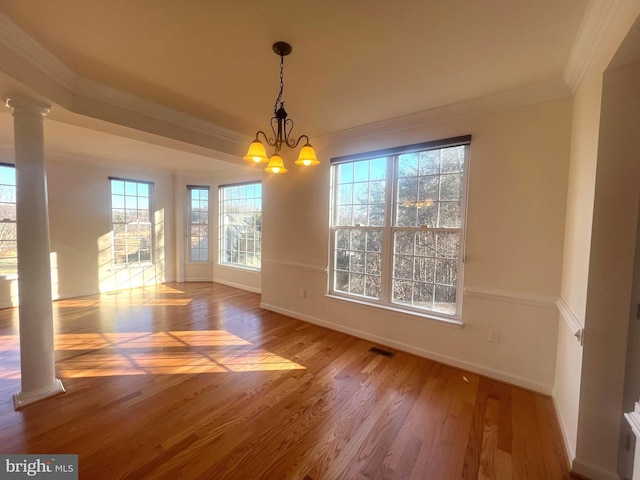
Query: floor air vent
point(382, 351)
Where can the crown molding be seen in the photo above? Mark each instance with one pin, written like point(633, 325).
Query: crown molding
point(66, 157)
point(538, 93)
point(23, 45)
point(81, 89)
point(7, 154)
point(113, 96)
point(594, 26)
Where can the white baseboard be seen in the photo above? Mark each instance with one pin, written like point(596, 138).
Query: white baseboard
point(454, 362)
point(593, 472)
point(237, 285)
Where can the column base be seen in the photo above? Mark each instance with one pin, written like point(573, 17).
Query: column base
point(22, 399)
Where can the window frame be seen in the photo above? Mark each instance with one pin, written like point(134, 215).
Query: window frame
point(152, 250)
point(190, 224)
point(222, 224)
point(3, 221)
point(389, 229)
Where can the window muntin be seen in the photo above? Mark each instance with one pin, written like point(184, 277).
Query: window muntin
point(398, 227)
point(8, 227)
point(198, 223)
point(132, 232)
point(241, 225)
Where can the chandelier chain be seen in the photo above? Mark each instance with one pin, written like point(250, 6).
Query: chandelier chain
point(279, 102)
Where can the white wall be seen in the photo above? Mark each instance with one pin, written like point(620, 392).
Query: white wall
point(518, 176)
point(80, 226)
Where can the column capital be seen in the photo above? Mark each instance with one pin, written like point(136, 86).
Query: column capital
point(25, 105)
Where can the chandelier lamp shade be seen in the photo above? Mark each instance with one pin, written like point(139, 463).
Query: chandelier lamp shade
point(281, 128)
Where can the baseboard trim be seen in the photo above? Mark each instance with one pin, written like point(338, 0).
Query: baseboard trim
point(197, 279)
point(451, 361)
point(239, 286)
point(585, 469)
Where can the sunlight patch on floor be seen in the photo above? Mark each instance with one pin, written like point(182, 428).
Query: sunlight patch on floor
point(152, 353)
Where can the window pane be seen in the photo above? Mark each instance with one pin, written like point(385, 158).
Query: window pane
point(345, 197)
point(444, 299)
point(452, 159)
point(450, 215)
point(426, 233)
point(198, 218)
point(408, 165)
point(361, 193)
point(131, 222)
point(403, 267)
point(372, 286)
point(240, 224)
point(429, 162)
point(450, 186)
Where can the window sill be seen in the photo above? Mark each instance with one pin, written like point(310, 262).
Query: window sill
point(240, 267)
point(443, 321)
point(116, 268)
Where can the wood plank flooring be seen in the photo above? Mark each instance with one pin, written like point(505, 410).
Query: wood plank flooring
point(195, 381)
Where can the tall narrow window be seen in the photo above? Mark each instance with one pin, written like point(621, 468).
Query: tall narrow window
point(198, 227)
point(8, 233)
point(397, 230)
point(132, 233)
point(241, 225)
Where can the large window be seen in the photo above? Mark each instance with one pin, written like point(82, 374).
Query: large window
point(198, 223)
point(8, 233)
point(241, 225)
point(397, 230)
point(132, 233)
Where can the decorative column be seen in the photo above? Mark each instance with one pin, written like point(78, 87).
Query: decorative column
point(37, 354)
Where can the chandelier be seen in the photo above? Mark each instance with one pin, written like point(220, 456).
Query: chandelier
point(281, 126)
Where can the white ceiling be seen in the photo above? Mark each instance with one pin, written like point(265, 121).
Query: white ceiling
point(354, 62)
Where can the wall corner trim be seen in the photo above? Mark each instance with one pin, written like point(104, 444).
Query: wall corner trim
point(575, 325)
point(565, 437)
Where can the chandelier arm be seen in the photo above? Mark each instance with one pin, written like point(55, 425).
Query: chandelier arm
point(288, 128)
point(294, 145)
point(270, 141)
point(276, 141)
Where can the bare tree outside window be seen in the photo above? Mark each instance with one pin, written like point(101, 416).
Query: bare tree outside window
point(398, 227)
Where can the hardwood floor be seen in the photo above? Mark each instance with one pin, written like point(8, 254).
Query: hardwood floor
point(195, 381)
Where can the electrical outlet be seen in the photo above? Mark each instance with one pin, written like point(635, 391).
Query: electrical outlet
point(303, 292)
point(495, 336)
